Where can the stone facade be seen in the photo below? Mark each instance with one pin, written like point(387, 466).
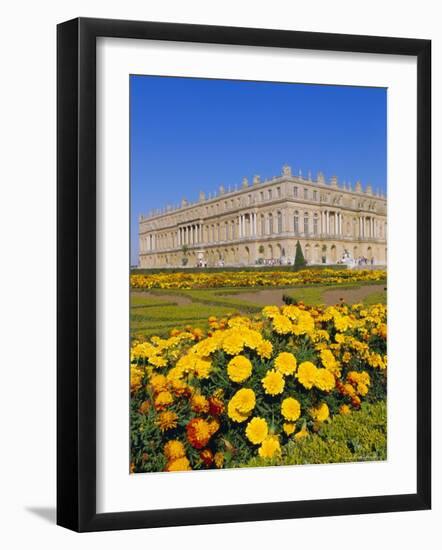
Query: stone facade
point(261, 222)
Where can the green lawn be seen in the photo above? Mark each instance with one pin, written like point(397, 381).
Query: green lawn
point(159, 311)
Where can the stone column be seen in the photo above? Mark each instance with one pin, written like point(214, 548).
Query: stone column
point(327, 214)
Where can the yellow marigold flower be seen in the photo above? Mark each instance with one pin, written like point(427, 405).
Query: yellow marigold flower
point(178, 465)
point(281, 324)
point(324, 380)
point(241, 405)
point(329, 362)
point(244, 400)
point(233, 343)
point(199, 404)
point(257, 430)
point(342, 323)
point(163, 399)
point(303, 432)
point(288, 428)
point(356, 377)
point(202, 368)
point(167, 420)
point(157, 361)
point(307, 374)
point(349, 389)
point(239, 368)
point(320, 413)
point(291, 409)
point(179, 387)
point(285, 363)
point(214, 426)
point(136, 378)
point(344, 409)
point(265, 349)
point(252, 338)
point(185, 364)
point(218, 459)
point(269, 447)
point(158, 382)
point(174, 449)
point(346, 357)
point(292, 312)
point(273, 382)
point(270, 311)
point(305, 324)
point(362, 389)
point(234, 413)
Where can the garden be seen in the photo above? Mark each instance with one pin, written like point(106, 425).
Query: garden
point(221, 380)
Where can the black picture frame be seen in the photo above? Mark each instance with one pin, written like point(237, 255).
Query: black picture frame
point(76, 274)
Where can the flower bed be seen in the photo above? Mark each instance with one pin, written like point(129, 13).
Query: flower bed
point(266, 278)
point(249, 390)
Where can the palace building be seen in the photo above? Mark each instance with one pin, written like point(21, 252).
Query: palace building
point(261, 222)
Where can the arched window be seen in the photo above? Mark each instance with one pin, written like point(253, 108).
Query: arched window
point(263, 225)
point(306, 223)
point(315, 224)
point(296, 223)
point(270, 224)
point(227, 231)
point(279, 222)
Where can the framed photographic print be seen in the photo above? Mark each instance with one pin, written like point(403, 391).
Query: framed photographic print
point(235, 206)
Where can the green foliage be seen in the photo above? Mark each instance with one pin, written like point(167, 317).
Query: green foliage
point(359, 436)
point(299, 257)
point(376, 298)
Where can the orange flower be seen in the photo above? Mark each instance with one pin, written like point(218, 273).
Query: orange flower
point(207, 457)
point(198, 432)
point(216, 406)
point(199, 403)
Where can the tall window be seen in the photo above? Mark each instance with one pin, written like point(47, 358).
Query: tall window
point(306, 223)
point(315, 224)
point(270, 224)
point(262, 195)
point(227, 230)
point(270, 194)
point(279, 222)
point(278, 190)
point(263, 225)
point(295, 191)
point(305, 194)
point(296, 223)
point(315, 195)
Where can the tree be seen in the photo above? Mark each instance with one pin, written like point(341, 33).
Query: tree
point(299, 257)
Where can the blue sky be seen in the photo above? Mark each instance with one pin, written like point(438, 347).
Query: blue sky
point(191, 135)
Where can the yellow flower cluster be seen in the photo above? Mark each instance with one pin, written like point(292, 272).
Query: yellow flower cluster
point(248, 386)
point(220, 279)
